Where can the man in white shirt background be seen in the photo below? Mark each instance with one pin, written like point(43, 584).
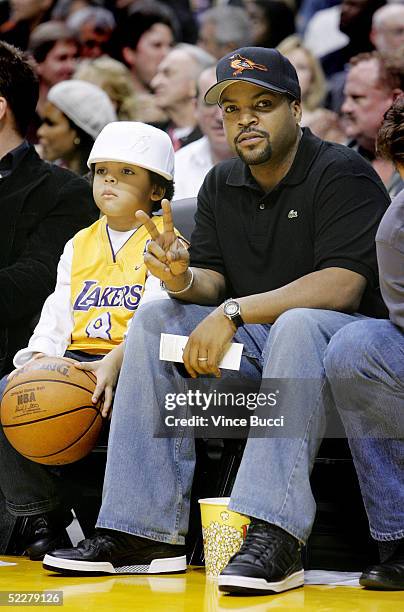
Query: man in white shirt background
point(194, 161)
point(174, 87)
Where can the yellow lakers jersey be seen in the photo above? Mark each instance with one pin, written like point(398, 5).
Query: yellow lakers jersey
point(105, 287)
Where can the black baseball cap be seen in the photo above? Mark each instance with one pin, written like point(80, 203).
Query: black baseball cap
point(259, 65)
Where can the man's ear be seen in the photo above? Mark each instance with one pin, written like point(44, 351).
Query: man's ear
point(158, 193)
point(396, 93)
point(296, 110)
point(3, 107)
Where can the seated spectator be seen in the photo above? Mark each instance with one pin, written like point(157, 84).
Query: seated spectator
point(365, 368)
point(224, 28)
point(281, 227)
point(42, 207)
point(127, 177)
point(387, 33)
point(271, 22)
point(371, 87)
point(24, 17)
point(308, 8)
point(93, 26)
point(309, 72)
point(115, 79)
point(323, 34)
point(356, 23)
point(73, 116)
point(322, 122)
point(55, 50)
point(193, 162)
point(143, 38)
point(174, 87)
point(63, 9)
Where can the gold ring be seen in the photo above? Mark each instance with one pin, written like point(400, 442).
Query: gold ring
point(202, 358)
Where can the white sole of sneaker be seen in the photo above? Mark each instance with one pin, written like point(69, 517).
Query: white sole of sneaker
point(157, 566)
point(244, 584)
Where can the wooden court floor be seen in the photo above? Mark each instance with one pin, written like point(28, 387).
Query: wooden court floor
point(181, 593)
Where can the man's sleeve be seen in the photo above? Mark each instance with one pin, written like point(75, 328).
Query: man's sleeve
point(205, 251)
point(53, 332)
point(26, 284)
point(348, 212)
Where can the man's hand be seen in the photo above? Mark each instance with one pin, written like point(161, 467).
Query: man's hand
point(208, 343)
point(166, 256)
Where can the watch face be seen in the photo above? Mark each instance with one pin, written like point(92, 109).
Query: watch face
point(231, 308)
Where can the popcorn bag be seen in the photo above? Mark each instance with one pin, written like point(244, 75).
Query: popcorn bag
point(223, 532)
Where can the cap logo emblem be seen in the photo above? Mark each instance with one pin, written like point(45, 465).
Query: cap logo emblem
point(240, 63)
point(292, 214)
point(140, 146)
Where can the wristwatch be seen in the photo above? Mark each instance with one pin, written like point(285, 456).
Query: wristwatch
point(231, 310)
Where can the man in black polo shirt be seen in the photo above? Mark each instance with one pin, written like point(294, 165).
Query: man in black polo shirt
point(287, 231)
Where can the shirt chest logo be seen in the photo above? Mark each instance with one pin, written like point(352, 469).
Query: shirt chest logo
point(292, 214)
point(93, 295)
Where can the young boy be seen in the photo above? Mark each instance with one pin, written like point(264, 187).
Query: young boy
point(101, 275)
point(101, 282)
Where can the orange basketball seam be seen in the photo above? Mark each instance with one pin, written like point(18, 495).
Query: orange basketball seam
point(52, 380)
point(90, 374)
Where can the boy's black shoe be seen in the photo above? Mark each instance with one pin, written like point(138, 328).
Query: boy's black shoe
point(387, 576)
point(115, 552)
point(46, 532)
point(268, 562)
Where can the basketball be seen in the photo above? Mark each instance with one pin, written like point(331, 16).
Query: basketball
point(47, 413)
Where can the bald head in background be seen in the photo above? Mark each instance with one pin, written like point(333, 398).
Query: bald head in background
point(387, 32)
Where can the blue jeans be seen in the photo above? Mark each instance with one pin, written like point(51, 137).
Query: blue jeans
point(365, 367)
point(148, 480)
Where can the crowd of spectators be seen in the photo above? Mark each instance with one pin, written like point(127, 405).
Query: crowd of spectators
point(148, 55)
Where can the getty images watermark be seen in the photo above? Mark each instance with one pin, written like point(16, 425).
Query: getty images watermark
point(210, 409)
point(269, 408)
point(206, 401)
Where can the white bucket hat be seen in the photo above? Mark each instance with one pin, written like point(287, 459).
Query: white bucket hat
point(87, 105)
point(135, 143)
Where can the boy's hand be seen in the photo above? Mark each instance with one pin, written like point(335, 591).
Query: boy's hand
point(166, 256)
point(34, 358)
point(107, 372)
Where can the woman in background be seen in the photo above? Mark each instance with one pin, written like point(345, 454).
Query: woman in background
point(74, 114)
point(322, 122)
point(271, 21)
point(115, 79)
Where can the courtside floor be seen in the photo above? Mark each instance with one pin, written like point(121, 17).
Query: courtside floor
point(180, 593)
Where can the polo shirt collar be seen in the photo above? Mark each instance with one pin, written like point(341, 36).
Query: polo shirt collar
point(309, 146)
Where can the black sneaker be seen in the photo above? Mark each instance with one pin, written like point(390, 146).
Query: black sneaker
point(115, 552)
point(46, 532)
point(268, 562)
point(387, 576)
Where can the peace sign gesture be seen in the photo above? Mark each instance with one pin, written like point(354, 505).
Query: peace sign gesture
point(166, 256)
